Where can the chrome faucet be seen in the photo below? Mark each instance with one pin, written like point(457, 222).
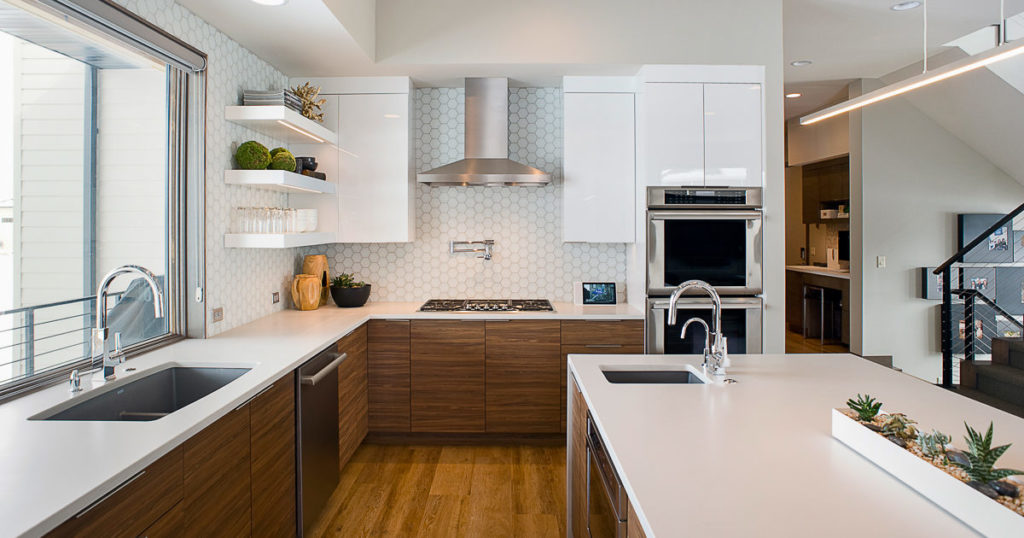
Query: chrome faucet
point(100, 333)
point(716, 354)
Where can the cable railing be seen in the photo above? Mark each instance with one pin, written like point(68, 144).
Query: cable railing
point(982, 291)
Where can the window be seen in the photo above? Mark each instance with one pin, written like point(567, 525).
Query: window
point(93, 149)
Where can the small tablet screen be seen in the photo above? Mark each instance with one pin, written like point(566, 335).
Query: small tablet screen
point(598, 293)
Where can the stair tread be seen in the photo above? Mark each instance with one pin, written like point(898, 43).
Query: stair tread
point(1003, 371)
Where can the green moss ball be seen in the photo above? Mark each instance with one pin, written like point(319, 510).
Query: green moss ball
point(252, 155)
point(283, 161)
point(275, 151)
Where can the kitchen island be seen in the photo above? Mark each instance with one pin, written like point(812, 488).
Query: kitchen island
point(756, 458)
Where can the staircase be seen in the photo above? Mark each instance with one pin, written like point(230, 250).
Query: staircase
point(999, 382)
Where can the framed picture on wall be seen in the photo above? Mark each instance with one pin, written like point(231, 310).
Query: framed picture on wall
point(931, 284)
point(997, 248)
point(1018, 245)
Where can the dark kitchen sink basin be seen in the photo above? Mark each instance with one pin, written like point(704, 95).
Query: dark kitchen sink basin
point(651, 377)
point(150, 397)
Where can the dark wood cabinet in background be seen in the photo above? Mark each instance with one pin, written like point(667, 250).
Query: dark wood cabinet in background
point(826, 182)
point(218, 500)
point(447, 376)
point(522, 365)
point(582, 337)
point(388, 375)
point(352, 402)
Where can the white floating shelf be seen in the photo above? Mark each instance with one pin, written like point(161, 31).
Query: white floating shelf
point(277, 240)
point(281, 122)
point(278, 180)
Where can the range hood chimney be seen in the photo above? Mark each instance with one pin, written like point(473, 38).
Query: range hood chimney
point(486, 161)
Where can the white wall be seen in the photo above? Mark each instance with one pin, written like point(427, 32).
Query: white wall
point(911, 177)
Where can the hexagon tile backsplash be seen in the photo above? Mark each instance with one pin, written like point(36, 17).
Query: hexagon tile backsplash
point(530, 259)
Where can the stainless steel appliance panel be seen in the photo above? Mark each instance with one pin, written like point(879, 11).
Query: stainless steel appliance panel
point(742, 319)
point(317, 420)
point(721, 247)
point(607, 501)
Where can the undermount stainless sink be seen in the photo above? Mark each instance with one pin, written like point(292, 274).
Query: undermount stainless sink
point(652, 377)
point(150, 397)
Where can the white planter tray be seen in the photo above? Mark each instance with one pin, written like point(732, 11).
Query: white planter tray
point(962, 501)
point(278, 180)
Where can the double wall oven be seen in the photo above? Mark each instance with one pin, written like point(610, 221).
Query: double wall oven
point(710, 234)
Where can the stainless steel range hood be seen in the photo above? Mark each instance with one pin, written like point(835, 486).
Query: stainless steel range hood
point(486, 161)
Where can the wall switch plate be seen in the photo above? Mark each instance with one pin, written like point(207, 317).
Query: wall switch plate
point(812, 251)
point(880, 262)
point(276, 297)
point(218, 314)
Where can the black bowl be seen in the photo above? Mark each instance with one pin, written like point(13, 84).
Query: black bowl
point(350, 297)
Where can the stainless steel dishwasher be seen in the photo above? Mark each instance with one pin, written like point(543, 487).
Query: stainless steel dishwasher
point(316, 415)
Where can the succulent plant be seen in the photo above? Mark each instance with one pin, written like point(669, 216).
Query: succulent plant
point(933, 444)
point(900, 426)
point(865, 406)
point(982, 457)
point(252, 155)
point(346, 280)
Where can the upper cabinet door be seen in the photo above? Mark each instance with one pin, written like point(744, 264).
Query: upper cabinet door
point(672, 120)
point(376, 191)
point(732, 135)
point(599, 167)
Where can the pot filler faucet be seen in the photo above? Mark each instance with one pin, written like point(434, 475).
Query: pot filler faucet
point(716, 355)
point(100, 333)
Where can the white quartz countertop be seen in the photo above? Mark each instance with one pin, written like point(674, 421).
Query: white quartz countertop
point(50, 470)
point(821, 271)
point(756, 458)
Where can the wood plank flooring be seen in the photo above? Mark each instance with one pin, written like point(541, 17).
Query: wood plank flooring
point(449, 491)
point(796, 343)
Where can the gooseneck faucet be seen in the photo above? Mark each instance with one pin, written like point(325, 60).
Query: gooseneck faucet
point(716, 354)
point(100, 333)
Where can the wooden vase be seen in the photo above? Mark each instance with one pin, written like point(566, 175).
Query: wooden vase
point(316, 264)
point(306, 292)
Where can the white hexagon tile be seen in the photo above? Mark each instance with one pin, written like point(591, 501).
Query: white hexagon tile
point(240, 280)
point(530, 259)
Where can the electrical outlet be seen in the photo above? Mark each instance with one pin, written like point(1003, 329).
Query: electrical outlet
point(218, 314)
point(275, 297)
point(812, 251)
point(880, 262)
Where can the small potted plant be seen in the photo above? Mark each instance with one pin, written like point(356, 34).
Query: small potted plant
point(348, 293)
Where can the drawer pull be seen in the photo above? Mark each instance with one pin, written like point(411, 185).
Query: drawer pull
point(603, 320)
point(312, 380)
point(110, 494)
point(398, 320)
point(608, 346)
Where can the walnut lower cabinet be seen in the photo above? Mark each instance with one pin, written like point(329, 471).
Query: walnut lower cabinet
point(447, 376)
point(272, 445)
point(522, 372)
point(218, 487)
point(388, 375)
point(577, 439)
point(352, 402)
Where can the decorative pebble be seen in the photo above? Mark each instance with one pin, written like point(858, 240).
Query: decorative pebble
point(956, 456)
point(872, 426)
point(986, 489)
point(1005, 488)
point(899, 442)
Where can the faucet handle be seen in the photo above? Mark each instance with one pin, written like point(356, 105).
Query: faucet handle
point(117, 343)
point(75, 381)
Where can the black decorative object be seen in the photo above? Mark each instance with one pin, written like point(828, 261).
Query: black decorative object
point(350, 297)
point(305, 163)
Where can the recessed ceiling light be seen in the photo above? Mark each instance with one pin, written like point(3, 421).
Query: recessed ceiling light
point(793, 95)
point(800, 63)
point(270, 2)
point(905, 6)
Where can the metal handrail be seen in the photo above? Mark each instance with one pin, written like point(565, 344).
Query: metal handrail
point(978, 240)
point(985, 299)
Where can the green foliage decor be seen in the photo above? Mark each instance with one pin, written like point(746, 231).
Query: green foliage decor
point(900, 426)
point(252, 155)
point(982, 457)
point(346, 280)
point(284, 160)
point(865, 406)
point(933, 444)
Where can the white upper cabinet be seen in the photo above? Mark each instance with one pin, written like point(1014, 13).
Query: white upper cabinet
point(701, 126)
point(372, 164)
point(673, 124)
point(599, 167)
point(732, 135)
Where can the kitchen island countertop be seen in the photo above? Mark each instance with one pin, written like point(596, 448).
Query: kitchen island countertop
point(756, 458)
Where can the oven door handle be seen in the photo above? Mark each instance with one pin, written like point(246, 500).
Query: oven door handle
point(701, 303)
point(705, 215)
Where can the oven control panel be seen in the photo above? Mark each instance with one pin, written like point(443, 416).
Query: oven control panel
point(696, 197)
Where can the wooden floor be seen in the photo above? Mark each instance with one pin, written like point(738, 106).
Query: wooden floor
point(796, 343)
point(442, 491)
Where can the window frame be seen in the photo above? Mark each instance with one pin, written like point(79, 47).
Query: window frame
point(185, 194)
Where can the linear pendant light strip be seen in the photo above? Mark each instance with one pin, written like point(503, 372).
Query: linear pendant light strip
point(947, 71)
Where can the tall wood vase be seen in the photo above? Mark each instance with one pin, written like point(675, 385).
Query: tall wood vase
point(316, 264)
point(306, 292)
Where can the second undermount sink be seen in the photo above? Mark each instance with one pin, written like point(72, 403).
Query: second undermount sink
point(150, 397)
point(651, 376)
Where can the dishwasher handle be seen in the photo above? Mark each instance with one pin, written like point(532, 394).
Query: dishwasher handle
point(312, 380)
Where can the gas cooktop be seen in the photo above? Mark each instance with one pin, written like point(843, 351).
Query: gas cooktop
point(487, 305)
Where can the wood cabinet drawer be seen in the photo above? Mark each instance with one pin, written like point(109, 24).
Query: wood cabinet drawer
point(522, 376)
point(272, 426)
point(387, 357)
point(591, 349)
point(352, 403)
point(134, 505)
point(218, 486)
point(623, 332)
point(170, 525)
point(448, 376)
